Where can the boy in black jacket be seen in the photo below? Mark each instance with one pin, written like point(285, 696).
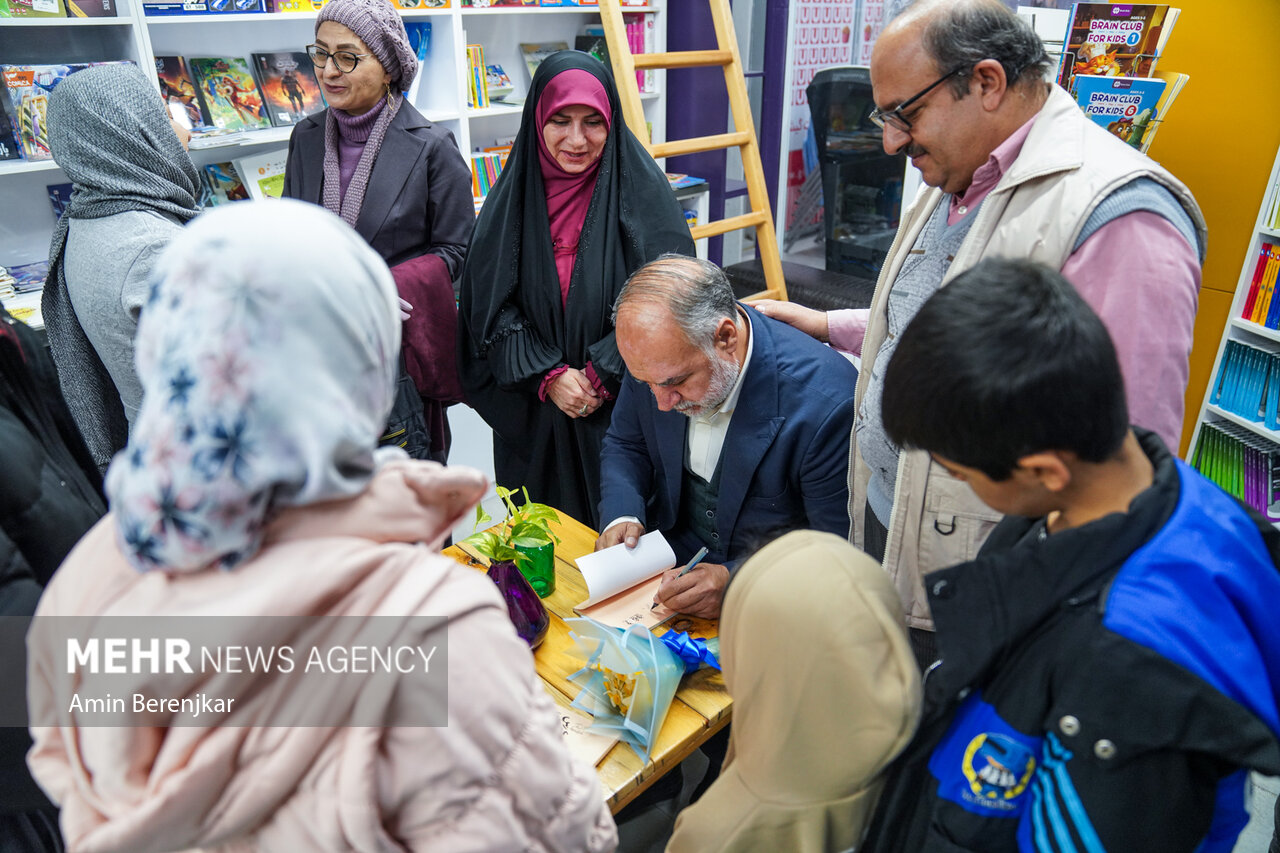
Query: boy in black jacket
point(1110, 663)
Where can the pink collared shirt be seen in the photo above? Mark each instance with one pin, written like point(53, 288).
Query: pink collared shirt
point(1137, 272)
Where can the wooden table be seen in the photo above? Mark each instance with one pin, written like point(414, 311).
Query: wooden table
point(701, 706)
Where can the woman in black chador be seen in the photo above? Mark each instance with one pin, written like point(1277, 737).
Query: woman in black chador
point(579, 206)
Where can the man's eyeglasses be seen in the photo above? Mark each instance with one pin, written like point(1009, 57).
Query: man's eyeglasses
point(344, 60)
point(896, 117)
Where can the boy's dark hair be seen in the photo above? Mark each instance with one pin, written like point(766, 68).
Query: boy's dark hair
point(1005, 361)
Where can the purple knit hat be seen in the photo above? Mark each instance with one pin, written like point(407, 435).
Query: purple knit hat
point(379, 26)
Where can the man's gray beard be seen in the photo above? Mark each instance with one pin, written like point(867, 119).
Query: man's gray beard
point(723, 376)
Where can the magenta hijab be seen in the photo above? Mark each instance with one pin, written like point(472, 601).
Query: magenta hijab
point(568, 196)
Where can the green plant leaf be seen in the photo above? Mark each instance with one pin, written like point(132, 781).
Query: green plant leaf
point(486, 543)
point(530, 541)
point(540, 512)
point(482, 517)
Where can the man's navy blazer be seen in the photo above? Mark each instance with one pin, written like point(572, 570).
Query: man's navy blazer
point(785, 459)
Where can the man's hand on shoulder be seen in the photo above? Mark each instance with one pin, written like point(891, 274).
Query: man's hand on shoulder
point(624, 531)
point(808, 320)
point(698, 593)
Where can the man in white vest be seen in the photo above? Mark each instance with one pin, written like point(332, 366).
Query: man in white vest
point(1013, 168)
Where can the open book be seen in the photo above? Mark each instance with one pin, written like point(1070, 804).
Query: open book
point(622, 581)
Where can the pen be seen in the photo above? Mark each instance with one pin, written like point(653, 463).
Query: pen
point(697, 558)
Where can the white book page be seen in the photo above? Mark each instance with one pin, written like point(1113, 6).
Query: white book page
point(610, 571)
point(588, 747)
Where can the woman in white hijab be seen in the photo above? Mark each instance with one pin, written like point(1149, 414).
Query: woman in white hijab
point(825, 694)
point(251, 489)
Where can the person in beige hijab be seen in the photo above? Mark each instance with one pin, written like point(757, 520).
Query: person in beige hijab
point(826, 693)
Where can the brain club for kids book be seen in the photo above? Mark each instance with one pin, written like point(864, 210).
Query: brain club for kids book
point(1124, 106)
point(229, 93)
point(1114, 40)
point(289, 86)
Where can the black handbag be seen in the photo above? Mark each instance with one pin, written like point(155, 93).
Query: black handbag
point(407, 425)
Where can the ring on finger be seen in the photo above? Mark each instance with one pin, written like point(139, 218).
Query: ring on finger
point(583, 410)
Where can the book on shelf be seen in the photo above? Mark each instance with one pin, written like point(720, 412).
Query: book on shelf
point(641, 30)
point(498, 83)
point(1260, 304)
point(9, 149)
point(165, 8)
point(477, 88)
point(32, 9)
point(1123, 106)
point(289, 86)
point(294, 5)
point(680, 180)
point(214, 137)
point(91, 8)
point(622, 582)
point(1242, 463)
point(26, 90)
point(228, 93)
point(29, 277)
point(535, 52)
point(178, 87)
point(224, 183)
point(411, 5)
point(1248, 384)
point(483, 4)
point(569, 3)
point(59, 198)
point(1113, 40)
point(419, 33)
point(1174, 81)
point(595, 44)
point(486, 166)
point(263, 174)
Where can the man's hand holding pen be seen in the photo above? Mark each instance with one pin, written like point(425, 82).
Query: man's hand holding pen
point(695, 589)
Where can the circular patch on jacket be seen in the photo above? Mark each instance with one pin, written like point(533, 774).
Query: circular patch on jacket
point(998, 768)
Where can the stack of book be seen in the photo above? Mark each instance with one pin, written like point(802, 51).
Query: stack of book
point(486, 166)
point(1242, 464)
point(477, 78)
point(485, 169)
point(1248, 384)
point(1261, 306)
point(641, 32)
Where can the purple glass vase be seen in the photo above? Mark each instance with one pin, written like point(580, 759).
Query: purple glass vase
point(523, 605)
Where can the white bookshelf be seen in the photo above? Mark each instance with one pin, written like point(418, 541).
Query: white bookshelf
point(26, 217)
point(1240, 329)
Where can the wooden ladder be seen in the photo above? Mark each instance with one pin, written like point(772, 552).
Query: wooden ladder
point(743, 136)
